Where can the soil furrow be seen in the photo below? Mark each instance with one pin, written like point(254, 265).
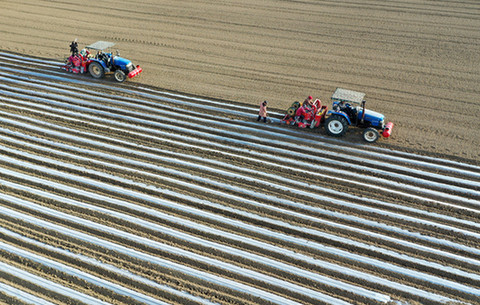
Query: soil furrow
point(166, 185)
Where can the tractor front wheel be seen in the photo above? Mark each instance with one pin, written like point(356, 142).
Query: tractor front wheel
point(336, 126)
point(96, 70)
point(120, 76)
point(371, 135)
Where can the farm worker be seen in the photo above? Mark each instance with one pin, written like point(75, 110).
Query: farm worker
point(341, 106)
point(84, 57)
point(308, 105)
point(262, 113)
point(308, 101)
point(344, 107)
point(84, 54)
point(300, 114)
point(74, 47)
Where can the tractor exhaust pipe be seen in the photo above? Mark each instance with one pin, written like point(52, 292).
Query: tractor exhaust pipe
point(363, 112)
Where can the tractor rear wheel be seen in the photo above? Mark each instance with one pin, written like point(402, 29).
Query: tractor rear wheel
point(370, 135)
point(120, 76)
point(336, 125)
point(96, 70)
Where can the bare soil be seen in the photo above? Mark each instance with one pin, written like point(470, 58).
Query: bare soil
point(417, 61)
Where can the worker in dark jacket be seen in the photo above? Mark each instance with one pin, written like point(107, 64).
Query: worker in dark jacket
point(74, 47)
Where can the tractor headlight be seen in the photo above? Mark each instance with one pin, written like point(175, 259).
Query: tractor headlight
point(130, 67)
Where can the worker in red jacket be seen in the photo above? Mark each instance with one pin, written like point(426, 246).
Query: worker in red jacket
point(300, 114)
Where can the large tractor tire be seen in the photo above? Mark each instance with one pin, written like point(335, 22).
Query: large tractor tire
point(120, 76)
point(96, 70)
point(371, 135)
point(336, 125)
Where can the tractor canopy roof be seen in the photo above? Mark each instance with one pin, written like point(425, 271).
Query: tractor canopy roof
point(345, 95)
point(100, 45)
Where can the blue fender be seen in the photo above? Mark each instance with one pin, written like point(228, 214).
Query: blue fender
point(340, 113)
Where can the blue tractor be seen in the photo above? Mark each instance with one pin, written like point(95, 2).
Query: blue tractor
point(101, 63)
point(349, 110)
point(106, 62)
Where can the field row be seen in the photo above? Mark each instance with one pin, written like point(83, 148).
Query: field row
point(126, 194)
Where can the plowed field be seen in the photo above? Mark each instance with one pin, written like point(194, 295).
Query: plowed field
point(165, 190)
point(417, 61)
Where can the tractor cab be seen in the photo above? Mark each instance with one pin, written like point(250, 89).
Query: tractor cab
point(351, 105)
point(349, 109)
